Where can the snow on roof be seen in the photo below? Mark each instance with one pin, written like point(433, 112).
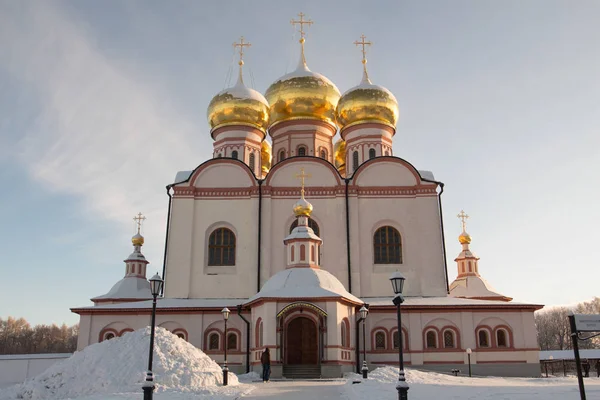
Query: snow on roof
point(439, 302)
point(130, 287)
point(116, 366)
point(426, 175)
point(568, 354)
point(472, 286)
point(304, 283)
point(241, 91)
point(166, 303)
point(182, 176)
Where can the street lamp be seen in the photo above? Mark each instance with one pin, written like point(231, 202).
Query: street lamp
point(469, 351)
point(156, 284)
point(397, 280)
point(364, 311)
point(225, 313)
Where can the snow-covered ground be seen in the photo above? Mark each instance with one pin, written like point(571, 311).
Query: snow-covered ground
point(430, 385)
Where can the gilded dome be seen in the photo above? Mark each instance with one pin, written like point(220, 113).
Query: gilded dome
point(339, 153)
point(464, 238)
point(238, 105)
point(367, 103)
point(302, 94)
point(265, 156)
point(137, 240)
point(302, 207)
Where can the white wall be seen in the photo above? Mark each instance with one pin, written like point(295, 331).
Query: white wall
point(17, 368)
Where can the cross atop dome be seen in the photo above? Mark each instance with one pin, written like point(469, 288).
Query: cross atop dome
point(139, 219)
point(363, 44)
point(302, 207)
point(301, 22)
point(241, 46)
point(138, 239)
point(464, 237)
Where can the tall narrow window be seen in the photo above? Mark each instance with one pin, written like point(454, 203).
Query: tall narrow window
point(380, 341)
point(301, 151)
point(387, 153)
point(371, 154)
point(396, 340)
point(501, 338)
point(311, 224)
point(323, 154)
point(213, 341)
point(260, 334)
point(234, 154)
point(484, 339)
point(431, 340)
point(221, 247)
point(281, 156)
point(448, 339)
point(231, 341)
point(387, 246)
point(355, 161)
point(344, 344)
point(251, 161)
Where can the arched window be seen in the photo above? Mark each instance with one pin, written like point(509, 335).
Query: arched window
point(219, 155)
point(301, 151)
point(355, 161)
point(213, 341)
point(311, 224)
point(501, 338)
point(484, 338)
point(431, 339)
point(380, 341)
point(180, 333)
point(109, 336)
point(387, 153)
point(344, 330)
point(371, 154)
point(396, 340)
point(221, 247)
point(260, 334)
point(252, 161)
point(234, 154)
point(323, 154)
point(449, 339)
point(281, 156)
point(387, 246)
point(231, 341)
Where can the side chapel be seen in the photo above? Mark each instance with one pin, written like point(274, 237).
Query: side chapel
point(296, 260)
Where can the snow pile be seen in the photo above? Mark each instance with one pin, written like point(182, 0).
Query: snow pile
point(118, 366)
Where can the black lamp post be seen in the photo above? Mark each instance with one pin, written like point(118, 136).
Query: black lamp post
point(225, 313)
point(156, 284)
point(397, 280)
point(363, 317)
point(469, 351)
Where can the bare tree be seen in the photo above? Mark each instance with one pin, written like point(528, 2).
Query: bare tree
point(18, 337)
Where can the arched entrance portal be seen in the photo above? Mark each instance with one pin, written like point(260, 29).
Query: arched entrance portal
point(302, 343)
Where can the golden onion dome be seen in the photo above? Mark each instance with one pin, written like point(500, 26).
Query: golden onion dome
point(137, 240)
point(302, 94)
point(302, 207)
point(464, 238)
point(339, 153)
point(265, 156)
point(367, 103)
point(238, 105)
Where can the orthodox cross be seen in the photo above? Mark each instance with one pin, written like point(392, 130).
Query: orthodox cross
point(241, 45)
point(363, 43)
point(301, 22)
point(138, 220)
point(463, 218)
point(302, 176)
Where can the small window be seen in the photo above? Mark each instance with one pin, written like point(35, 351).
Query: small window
point(252, 161)
point(387, 246)
point(484, 339)
point(448, 339)
point(231, 341)
point(501, 338)
point(311, 224)
point(221, 247)
point(180, 335)
point(380, 341)
point(213, 341)
point(431, 340)
point(371, 154)
point(234, 154)
point(323, 154)
point(344, 344)
point(387, 153)
point(281, 156)
point(355, 161)
point(301, 151)
point(219, 155)
point(109, 336)
point(260, 334)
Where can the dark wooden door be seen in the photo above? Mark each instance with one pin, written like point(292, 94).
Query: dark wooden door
point(302, 343)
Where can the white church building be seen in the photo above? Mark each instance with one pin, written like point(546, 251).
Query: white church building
point(295, 259)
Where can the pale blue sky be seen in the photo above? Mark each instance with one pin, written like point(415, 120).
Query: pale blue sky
point(102, 102)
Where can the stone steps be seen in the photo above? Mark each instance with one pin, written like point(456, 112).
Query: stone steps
point(302, 371)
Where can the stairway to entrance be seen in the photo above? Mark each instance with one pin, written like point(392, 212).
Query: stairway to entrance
point(310, 371)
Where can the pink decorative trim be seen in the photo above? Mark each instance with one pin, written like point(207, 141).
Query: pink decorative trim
point(386, 335)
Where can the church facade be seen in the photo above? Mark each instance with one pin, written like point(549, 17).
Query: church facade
point(296, 235)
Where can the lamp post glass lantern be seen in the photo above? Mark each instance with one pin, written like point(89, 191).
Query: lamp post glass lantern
point(364, 311)
point(469, 351)
point(397, 280)
point(156, 284)
point(225, 312)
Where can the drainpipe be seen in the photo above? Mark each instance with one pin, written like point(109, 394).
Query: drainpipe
point(239, 310)
point(260, 182)
point(348, 238)
point(162, 290)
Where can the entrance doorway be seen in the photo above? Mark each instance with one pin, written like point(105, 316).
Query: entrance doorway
point(302, 344)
